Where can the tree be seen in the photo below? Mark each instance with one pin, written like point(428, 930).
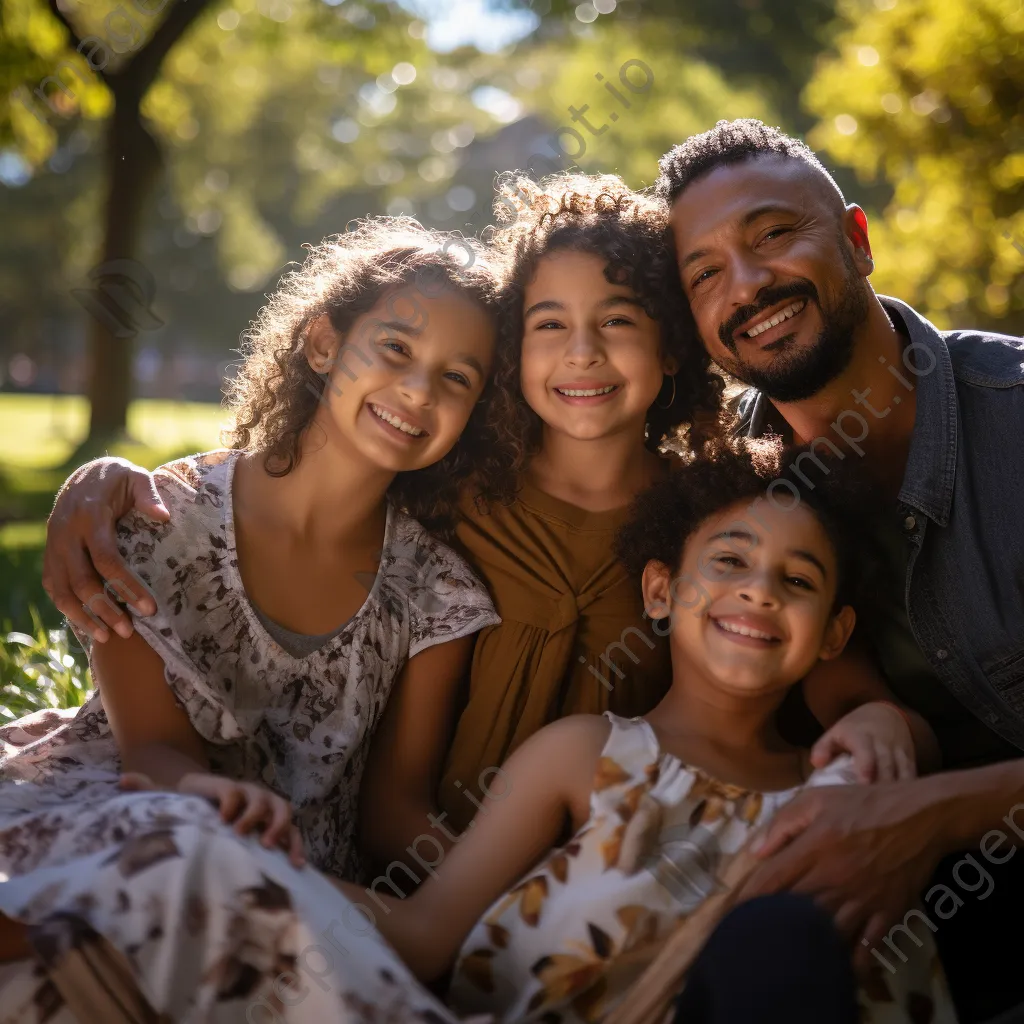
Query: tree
point(132, 157)
point(257, 114)
point(927, 96)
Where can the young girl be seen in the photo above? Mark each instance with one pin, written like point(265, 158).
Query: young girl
point(293, 591)
point(604, 832)
point(596, 367)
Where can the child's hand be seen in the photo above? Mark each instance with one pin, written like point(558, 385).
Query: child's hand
point(248, 806)
point(879, 739)
point(244, 803)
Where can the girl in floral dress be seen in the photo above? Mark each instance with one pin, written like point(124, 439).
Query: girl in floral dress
point(294, 591)
point(603, 833)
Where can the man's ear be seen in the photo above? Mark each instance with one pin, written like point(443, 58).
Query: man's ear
point(656, 584)
point(321, 344)
point(837, 635)
point(855, 228)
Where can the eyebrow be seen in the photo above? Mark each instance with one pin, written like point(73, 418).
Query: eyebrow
point(745, 221)
point(806, 556)
point(400, 327)
point(470, 360)
point(612, 300)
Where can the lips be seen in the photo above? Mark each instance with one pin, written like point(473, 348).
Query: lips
point(747, 629)
point(586, 392)
point(400, 424)
point(765, 320)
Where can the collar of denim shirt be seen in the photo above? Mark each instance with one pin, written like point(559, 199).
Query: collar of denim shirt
point(931, 463)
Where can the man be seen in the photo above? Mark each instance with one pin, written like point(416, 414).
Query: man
point(775, 266)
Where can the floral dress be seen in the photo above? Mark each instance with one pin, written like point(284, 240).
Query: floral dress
point(564, 945)
point(152, 883)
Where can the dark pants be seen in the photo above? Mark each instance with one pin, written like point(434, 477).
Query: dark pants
point(981, 942)
point(774, 960)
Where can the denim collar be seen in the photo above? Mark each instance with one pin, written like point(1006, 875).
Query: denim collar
point(931, 464)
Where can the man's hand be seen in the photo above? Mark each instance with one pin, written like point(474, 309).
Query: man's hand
point(81, 546)
point(865, 853)
point(878, 737)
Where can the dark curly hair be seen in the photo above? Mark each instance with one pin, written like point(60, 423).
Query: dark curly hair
point(595, 214)
point(727, 472)
point(729, 142)
point(275, 394)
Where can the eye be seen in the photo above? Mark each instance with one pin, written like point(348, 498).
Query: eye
point(775, 233)
point(617, 320)
point(459, 378)
point(800, 581)
point(703, 276)
point(732, 561)
point(394, 345)
point(547, 325)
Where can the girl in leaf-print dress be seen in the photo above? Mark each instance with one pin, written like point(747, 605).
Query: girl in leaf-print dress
point(656, 807)
point(293, 592)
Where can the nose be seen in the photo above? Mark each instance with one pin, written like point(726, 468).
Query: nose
point(583, 349)
point(417, 387)
point(758, 590)
point(750, 275)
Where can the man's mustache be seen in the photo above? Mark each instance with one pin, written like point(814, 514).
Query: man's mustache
point(766, 298)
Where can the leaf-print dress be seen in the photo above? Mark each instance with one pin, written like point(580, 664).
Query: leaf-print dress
point(564, 944)
point(151, 883)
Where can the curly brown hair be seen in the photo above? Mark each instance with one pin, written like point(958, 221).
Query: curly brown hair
point(596, 214)
point(727, 471)
point(275, 393)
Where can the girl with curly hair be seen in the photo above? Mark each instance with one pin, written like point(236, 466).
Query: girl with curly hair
point(595, 371)
point(293, 591)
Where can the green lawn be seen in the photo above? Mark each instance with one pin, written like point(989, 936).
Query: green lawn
point(38, 434)
point(41, 665)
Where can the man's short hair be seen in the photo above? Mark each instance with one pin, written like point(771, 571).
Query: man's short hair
point(730, 142)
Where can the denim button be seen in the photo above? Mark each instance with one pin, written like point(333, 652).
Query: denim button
point(910, 522)
point(942, 654)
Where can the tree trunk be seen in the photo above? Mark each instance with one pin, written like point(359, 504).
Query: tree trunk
point(133, 165)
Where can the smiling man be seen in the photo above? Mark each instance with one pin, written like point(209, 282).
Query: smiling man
point(775, 265)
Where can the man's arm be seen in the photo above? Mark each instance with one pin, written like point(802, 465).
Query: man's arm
point(81, 546)
point(867, 852)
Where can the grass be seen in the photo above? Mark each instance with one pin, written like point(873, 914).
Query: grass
point(41, 663)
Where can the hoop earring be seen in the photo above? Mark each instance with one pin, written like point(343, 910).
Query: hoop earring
point(672, 400)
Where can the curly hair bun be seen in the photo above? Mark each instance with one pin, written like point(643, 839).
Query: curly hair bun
point(725, 472)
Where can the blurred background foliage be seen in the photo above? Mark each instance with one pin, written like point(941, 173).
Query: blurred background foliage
point(206, 140)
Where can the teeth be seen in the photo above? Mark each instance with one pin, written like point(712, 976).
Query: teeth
point(744, 631)
point(396, 421)
point(783, 314)
point(587, 393)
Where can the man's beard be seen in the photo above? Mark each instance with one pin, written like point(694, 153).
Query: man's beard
point(793, 376)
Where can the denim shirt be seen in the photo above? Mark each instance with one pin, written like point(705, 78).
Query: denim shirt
point(961, 506)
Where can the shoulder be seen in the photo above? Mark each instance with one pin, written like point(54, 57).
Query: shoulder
point(571, 748)
point(445, 600)
point(201, 478)
point(986, 360)
point(416, 557)
point(194, 490)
